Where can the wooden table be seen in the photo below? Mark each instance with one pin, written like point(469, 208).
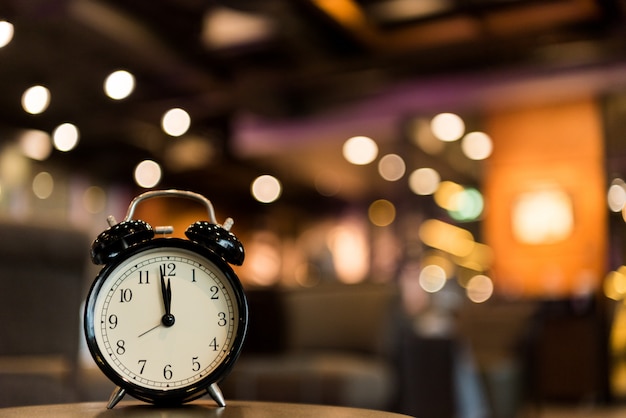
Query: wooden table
point(204, 409)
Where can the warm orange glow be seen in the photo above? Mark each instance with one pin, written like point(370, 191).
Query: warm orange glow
point(445, 237)
point(559, 145)
point(347, 12)
point(542, 216)
point(349, 248)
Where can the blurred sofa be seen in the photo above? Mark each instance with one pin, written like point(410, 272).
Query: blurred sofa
point(329, 344)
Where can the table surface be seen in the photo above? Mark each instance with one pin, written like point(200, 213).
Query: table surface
point(205, 409)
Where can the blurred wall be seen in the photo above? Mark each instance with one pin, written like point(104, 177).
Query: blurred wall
point(546, 173)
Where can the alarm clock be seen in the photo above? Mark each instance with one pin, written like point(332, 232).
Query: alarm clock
point(165, 319)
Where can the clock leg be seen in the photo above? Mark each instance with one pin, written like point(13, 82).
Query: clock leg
point(216, 394)
point(116, 396)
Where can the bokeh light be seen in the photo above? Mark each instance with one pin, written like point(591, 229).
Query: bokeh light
point(43, 185)
point(437, 258)
point(424, 181)
point(350, 252)
point(266, 188)
point(432, 278)
point(327, 184)
point(447, 127)
point(147, 174)
point(615, 284)
point(65, 137)
point(446, 195)
point(422, 135)
point(36, 99)
point(6, 33)
point(477, 145)
point(263, 259)
point(391, 167)
point(479, 288)
point(543, 216)
point(360, 150)
point(382, 212)
point(119, 84)
point(447, 237)
point(176, 122)
point(468, 205)
point(94, 199)
point(35, 144)
point(616, 195)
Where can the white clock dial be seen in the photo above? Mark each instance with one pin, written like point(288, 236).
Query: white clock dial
point(159, 350)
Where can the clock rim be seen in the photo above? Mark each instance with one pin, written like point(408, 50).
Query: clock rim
point(196, 389)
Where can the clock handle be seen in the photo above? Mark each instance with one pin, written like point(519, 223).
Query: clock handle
point(171, 193)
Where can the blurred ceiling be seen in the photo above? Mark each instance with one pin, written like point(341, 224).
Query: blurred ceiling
point(273, 85)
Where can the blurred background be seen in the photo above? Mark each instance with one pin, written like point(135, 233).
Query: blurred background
point(430, 192)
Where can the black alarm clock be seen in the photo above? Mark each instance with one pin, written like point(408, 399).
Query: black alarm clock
point(166, 318)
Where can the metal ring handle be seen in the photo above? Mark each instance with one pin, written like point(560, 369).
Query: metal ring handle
point(171, 193)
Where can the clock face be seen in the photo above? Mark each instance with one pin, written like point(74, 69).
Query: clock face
point(166, 320)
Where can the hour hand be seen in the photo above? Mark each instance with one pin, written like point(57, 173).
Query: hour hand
point(166, 294)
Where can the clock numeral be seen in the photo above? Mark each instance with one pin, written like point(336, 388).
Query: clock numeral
point(121, 349)
point(144, 277)
point(214, 345)
point(126, 295)
point(142, 363)
point(214, 290)
point(195, 364)
point(193, 275)
point(112, 321)
point(168, 269)
point(167, 372)
point(221, 319)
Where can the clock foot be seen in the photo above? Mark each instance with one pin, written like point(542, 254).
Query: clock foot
point(116, 396)
point(216, 394)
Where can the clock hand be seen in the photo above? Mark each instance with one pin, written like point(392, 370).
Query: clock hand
point(151, 329)
point(166, 293)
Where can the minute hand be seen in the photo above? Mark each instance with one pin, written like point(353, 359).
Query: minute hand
point(166, 294)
